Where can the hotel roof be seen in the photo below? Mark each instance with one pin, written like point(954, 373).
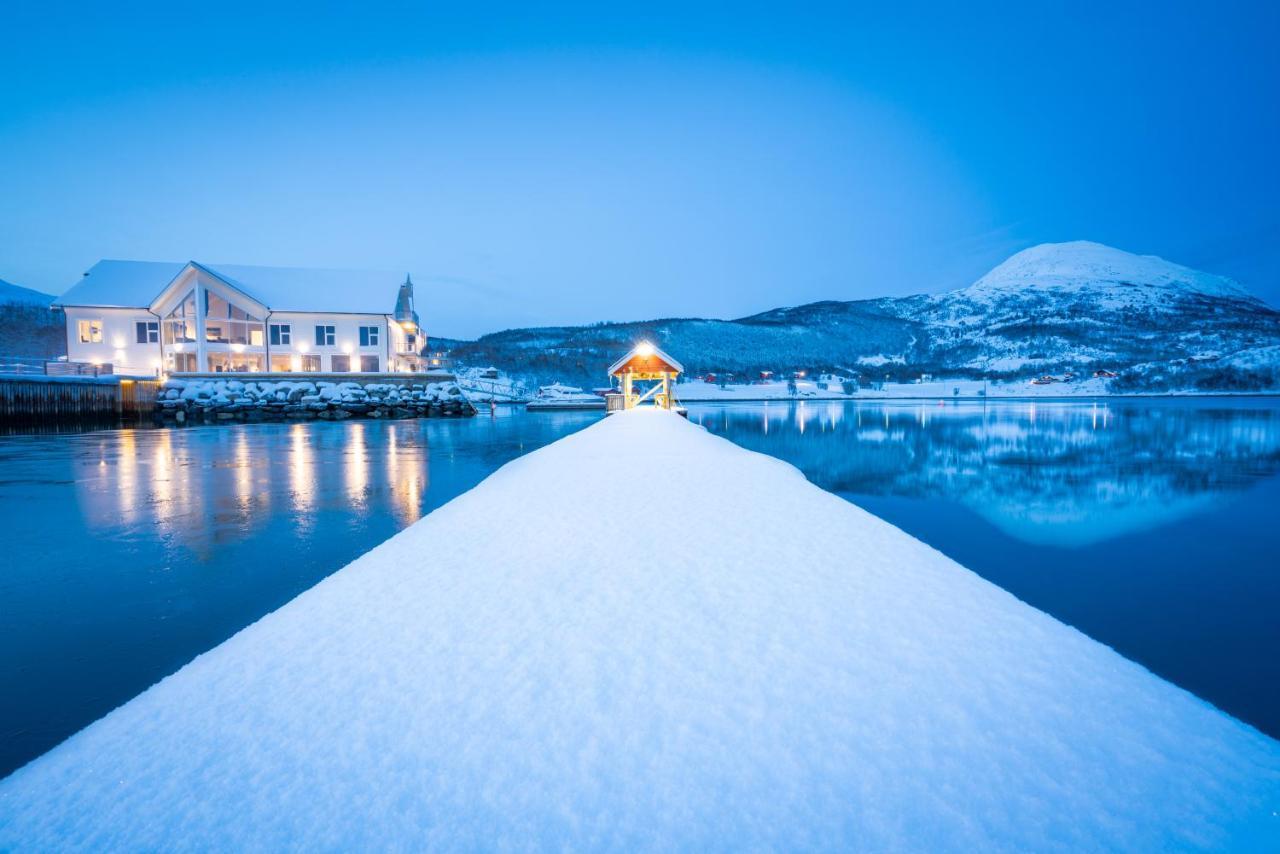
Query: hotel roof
point(136, 284)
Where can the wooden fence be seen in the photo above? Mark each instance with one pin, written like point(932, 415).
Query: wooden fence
point(39, 402)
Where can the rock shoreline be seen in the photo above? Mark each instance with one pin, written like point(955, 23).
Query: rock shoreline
point(207, 401)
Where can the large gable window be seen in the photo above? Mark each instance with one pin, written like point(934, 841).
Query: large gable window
point(227, 323)
point(180, 324)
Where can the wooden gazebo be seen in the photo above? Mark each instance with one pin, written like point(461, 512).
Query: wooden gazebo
point(645, 363)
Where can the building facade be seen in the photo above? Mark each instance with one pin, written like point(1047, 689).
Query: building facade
point(147, 318)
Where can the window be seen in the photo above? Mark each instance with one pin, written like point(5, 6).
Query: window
point(182, 362)
point(282, 364)
point(324, 336)
point(281, 333)
point(368, 336)
point(227, 323)
point(237, 363)
point(369, 364)
point(311, 363)
point(148, 331)
point(180, 324)
point(339, 364)
point(90, 331)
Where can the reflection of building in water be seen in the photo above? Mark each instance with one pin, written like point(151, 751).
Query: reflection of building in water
point(205, 489)
point(1055, 473)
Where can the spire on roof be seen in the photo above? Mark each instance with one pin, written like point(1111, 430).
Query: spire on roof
point(405, 314)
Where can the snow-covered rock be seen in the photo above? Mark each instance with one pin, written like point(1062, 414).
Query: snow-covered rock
point(536, 684)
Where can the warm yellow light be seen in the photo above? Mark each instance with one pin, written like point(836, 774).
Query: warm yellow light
point(302, 347)
point(118, 342)
point(347, 348)
point(237, 348)
point(644, 348)
point(177, 347)
point(295, 362)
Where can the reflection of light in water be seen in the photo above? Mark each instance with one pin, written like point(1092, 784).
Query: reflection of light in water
point(162, 479)
point(127, 476)
point(301, 475)
point(1095, 416)
point(801, 416)
point(244, 471)
point(405, 478)
point(357, 468)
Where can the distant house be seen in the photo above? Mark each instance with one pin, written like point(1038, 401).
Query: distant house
point(1100, 374)
point(146, 317)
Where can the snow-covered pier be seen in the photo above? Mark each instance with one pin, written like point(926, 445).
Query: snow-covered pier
point(543, 682)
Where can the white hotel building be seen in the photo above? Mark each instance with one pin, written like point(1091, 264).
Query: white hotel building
point(146, 317)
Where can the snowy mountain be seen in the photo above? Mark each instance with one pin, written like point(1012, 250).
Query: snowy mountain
point(1051, 309)
point(10, 292)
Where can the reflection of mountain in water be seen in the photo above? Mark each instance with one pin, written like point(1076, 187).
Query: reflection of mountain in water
point(1068, 474)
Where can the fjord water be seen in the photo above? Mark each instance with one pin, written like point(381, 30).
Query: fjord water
point(1151, 525)
point(127, 553)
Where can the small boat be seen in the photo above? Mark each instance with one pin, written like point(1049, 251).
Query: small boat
point(562, 397)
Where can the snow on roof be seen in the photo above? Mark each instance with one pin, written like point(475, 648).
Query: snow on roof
point(499, 676)
point(136, 284)
point(645, 352)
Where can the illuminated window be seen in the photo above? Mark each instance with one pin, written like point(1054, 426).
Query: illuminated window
point(180, 324)
point(228, 323)
point(90, 331)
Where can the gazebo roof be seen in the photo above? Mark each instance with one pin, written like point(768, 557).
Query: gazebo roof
point(644, 358)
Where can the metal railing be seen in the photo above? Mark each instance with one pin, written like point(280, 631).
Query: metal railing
point(40, 366)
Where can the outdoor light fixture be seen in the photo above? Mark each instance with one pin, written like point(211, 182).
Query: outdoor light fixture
point(303, 347)
point(644, 348)
point(346, 348)
point(237, 348)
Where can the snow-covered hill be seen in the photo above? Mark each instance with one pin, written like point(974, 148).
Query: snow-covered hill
point(9, 292)
point(1066, 307)
point(1082, 265)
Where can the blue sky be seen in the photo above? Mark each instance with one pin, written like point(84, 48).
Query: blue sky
point(534, 166)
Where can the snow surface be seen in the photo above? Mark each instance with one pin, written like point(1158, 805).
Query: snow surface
point(539, 682)
point(1081, 263)
point(136, 284)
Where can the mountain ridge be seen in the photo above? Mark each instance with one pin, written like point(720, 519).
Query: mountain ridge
point(1055, 307)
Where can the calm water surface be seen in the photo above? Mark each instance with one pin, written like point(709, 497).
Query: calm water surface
point(126, 553)
point(1150, 525)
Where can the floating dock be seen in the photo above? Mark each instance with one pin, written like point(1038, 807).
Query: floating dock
point(789, 672)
